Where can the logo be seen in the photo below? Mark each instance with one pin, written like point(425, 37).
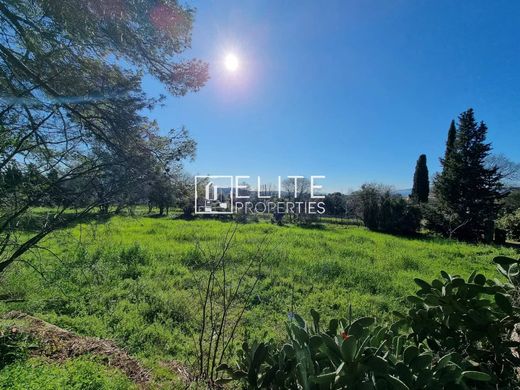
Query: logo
point(233, 194)
point(213, 194)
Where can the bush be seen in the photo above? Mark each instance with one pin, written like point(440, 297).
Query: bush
point(303, 219)
point(131, 260)
point(399, 217)
point(243, 217)
point(435, 219)
point(472, 318)
point(456, 335)
point(277, 218)
point(76, 374)
point(14, 345)
point(335, 204)
point(188, 211)
point(510, 268)
point(511, 224)
point(511, 202)
point(385, 212)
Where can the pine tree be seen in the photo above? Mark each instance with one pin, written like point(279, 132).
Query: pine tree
point(467, 190)
point(447, 184)
point(421, 182)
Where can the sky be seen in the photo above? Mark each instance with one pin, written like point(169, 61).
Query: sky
point(351, 90)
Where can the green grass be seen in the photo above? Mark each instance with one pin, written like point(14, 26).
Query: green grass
point(75, 374)
point(133, 280)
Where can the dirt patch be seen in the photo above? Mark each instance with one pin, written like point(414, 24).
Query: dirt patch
point(60, 344)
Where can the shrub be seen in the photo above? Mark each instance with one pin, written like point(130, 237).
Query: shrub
point(335, 204)
point(277, 218)
point(511, 224)
point(76, 374)
point(131, 260)
point(456, 335)
point(303, 219)
point(472, 318)
point(188, 211)
point(436, 220)
point(14, 345)
point(369, 198)
point(385, 212)
point(511, 202)
point(397, 216)
point(510, 268)
point(243, 217)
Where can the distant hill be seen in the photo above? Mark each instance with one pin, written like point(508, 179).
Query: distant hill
point(406, 192)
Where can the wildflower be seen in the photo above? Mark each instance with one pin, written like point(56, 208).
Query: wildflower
point(345, 335)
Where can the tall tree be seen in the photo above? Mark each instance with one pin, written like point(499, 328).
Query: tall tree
point(450, 142)
point(421, 181)
point(72, 103)
point(467, 189)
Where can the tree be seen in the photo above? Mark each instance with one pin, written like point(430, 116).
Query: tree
point(508, 169)
point(450, 142)
point(383, 211)
point(467, 190)
point(511, 202)
point(421, 181)
point(297, 191)
point(72, 104)
point(161, 193)
point(335, 204)
point(11, 188)
point(368, 203)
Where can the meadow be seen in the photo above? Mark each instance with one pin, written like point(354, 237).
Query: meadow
point(137, 280)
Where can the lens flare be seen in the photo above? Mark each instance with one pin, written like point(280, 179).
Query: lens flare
point(231, 62)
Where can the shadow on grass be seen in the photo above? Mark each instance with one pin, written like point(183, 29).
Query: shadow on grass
point(437, 239)
point(35, 221)
point(513, 245)
point(313, 226)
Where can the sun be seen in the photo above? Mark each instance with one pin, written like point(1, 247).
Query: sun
point(231, 62)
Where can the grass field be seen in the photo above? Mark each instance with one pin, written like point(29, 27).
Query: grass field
point(136, 280)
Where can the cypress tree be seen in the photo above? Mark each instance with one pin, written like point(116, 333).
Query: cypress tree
point(467, 190)
point(450, 142)
point(421, 182)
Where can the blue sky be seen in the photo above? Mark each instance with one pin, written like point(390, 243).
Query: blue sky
point(353, 90)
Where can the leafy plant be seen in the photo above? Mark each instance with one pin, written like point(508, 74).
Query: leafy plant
point(473, 318)
point(75, 374)
point(455, 335)
point(510, 268)
point(14, 345)
point(386, 212)
point(511, 224)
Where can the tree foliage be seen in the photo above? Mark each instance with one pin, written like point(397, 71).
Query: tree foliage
point(511, 202)
point(511, 224)
point(421, 181)
point(508, 169)
point(335, 204)
point(72, 111)
point(467, 190)
point(383, 211)
point(450, 142)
